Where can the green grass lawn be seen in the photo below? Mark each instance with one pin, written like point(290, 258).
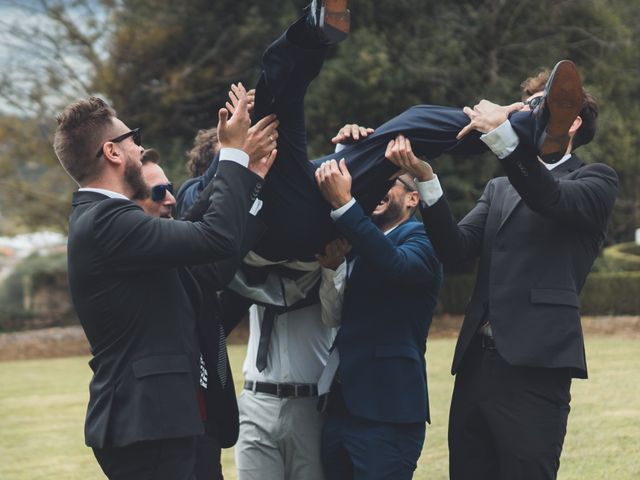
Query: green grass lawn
point(42, 406)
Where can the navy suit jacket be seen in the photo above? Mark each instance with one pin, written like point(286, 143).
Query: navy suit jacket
point(388, 304)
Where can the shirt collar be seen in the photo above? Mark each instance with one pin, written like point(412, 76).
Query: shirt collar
point(391, 229)
point(108, 193)
point(551, 166)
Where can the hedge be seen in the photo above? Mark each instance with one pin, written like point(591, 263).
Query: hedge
point(611, 293)
point(35, 294)
point(605, 293)
point(622, 257)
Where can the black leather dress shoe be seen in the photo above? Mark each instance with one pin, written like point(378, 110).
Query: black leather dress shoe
point(563, 99)
point(332, 17)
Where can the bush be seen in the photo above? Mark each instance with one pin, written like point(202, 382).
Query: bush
point(35, 294)
point(615, 293)
point(621, 257)
point(612, 293)
point(456, 293)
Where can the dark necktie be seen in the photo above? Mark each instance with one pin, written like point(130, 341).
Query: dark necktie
point(265, 336)
point(270, 312)
point(221, 365)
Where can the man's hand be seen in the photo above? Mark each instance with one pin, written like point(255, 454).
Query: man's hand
point(351, 133)
point(261, 138)
point(399, 153)
point(261, 166)
point(334, 253)
point(233, 133)
point(334, 181)
point(234, 99)
point(486, 116)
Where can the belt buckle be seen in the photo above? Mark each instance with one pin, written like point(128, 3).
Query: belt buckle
point(488, 343)
point(278, 391)
point(295, 390)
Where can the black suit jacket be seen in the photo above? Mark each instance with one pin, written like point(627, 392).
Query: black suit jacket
point(127, 284)
point(536, 233)
point(213, 310)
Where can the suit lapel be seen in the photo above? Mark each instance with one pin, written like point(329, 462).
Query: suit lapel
point(512, 198)
point(509, 203)
point(352, 258)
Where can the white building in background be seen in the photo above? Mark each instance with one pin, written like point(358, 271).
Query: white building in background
point(24, 245)
point(14, 249)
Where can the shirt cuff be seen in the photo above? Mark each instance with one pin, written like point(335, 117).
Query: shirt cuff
point(335, 277)
point(336, 214)
point(234, 155)
point(502, 140)
point(430, 191)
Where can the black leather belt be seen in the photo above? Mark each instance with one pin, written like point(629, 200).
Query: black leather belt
point(283, 390)
point(485, 333)
point(488, 343)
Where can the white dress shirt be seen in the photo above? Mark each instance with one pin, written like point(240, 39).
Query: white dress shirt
point(502, 141)
point(103, 191)
point(300, 340)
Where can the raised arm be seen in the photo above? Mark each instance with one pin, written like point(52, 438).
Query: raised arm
point(158, 243)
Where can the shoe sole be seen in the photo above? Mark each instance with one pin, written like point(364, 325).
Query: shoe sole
point(564, 101)
point(335, 19)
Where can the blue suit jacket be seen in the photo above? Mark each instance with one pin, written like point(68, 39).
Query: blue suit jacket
point(388, 304)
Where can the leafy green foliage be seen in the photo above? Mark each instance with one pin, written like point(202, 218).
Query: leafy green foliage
point(166, 67)
point(621, 257)
point(34, 190)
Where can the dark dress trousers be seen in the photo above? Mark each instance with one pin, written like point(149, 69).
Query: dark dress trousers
point(135, 301)
point(294, 211)
point(296, 215)
point(388, 305)
point(536, 233)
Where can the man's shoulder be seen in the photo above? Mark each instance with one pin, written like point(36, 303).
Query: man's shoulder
point(410, 227)
point(603, 175)
point(91, 204)
point(92, 210)
point(599, 168)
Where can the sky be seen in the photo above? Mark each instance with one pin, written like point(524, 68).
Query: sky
point(23, 58)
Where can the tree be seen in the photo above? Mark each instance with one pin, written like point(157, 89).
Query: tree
point(166, 66)
point(171, 63)
point(34, 190)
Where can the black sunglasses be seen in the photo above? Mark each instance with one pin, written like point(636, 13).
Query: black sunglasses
point(406, 185)
point(534, 102)
point(135, 134)
point(158, 192)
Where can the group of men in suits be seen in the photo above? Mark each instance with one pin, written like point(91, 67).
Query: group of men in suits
point(282, 384)
point(155, 324)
